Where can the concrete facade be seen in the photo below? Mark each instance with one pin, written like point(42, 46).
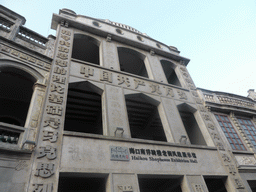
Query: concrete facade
point(104, 107)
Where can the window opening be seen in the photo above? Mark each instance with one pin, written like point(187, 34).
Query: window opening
point(84, 109)
point(170, 73)
point(86, 48)
point(252, 184)
point(132, 62)
point(16, 91)
point(230, 132)
point(77, 183)
point(159, 183)
point(144, 119)
point(216, 184)
point(191, 126)
point(249, 129)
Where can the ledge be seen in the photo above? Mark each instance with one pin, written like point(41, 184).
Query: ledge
point(133, 140)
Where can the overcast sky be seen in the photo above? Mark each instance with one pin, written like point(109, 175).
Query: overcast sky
point(218, 36)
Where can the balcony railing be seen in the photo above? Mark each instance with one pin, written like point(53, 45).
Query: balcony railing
point(5, 24)
point(32, 37)
point(11, 134)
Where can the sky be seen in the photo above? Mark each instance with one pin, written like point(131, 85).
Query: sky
point(218, 36)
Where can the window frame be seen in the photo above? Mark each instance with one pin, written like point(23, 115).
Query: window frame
point(245, 128)
point(231, 129)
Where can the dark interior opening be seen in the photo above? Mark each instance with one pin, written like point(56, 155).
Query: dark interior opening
point(216, 184)
point(16, 91)
point(81, 183)
point(144, 119)
point(169, 72)
point(132, 62)
point(191, 126)
point(159, 184)
point(252, 184)
point(84, 109)
point(85, 48)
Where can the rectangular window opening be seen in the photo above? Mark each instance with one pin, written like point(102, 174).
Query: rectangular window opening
point(216, 184)
point(153, 183)
point(74, 182)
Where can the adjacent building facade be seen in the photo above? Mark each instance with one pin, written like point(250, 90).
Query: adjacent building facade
point(104, 107)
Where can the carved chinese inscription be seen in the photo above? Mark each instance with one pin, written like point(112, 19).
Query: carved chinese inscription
point(198, 187)
point(87, 71)
point(48, 145)
point(106, 76)
point(182, 94)
point(52, 122)
point(48, 151)
point(124, 188)
point(45, 169)
point(43, 187)
point(155, 88)
point(138, 82)
point(123, 79)
point(169, 91)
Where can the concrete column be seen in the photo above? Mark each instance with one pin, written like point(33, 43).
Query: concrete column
point(109, 55)
point(177, 130)
point(123, 182)
point(116, 112)
point(193, 183)
point(155, 68)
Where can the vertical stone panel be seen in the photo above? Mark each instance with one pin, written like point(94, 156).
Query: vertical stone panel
point(46, 157)
point(116, 111)
point(109, 55)
point(174, 120)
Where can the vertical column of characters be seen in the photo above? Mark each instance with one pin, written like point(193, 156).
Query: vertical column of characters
point(46, 163)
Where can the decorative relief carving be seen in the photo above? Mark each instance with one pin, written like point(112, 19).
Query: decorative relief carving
point(232, 101)
point(123, 79)
point(194, 93)
point(106, 76)
point(238, 183)
point(202, 108)
point(53, 98)
point(21, 165)
point(74, 150)
point(198, 187)
point(54, 110)
point(138, 82)
point(87, 71)
point(182, 94)
point(45, 169)
point(48, 151)
point(152, 52)
point(26, 57)
point(198, 100)
point(246, 160)
point(60, 70)
point(155, 88)
point(57, 88)
point(51, 136)
point(210, 126)
point(43, 187)
point(124, 188)
point(183, 139)
point(52, 122)
point(226, 158)
point(231, 169)
point(209, 97)
point(206, 117)
point(169, 91)
point(220, 146)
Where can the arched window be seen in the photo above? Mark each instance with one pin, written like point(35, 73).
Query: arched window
point(86, 48)
point(144, 119)
point(84, 110)
point(132, 62)
point(187, 114)
point(169, 72)
point(16, 88)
